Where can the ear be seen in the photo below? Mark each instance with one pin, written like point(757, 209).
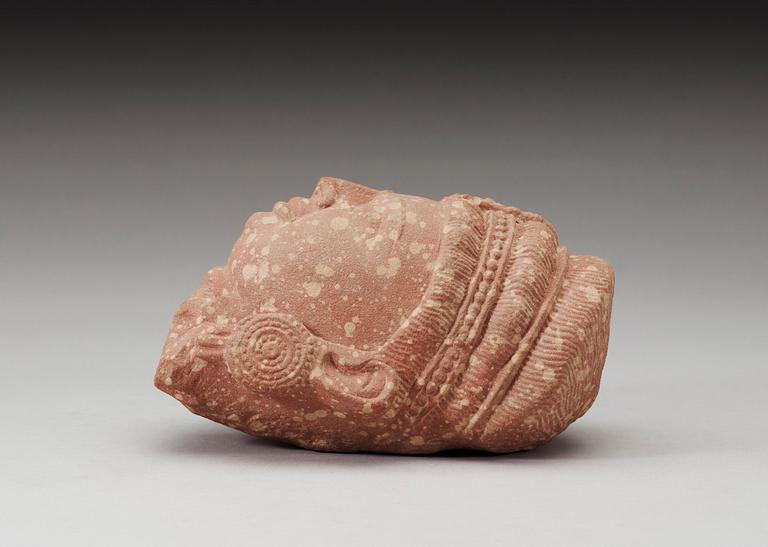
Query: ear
point(272, 352)
point(269, 351)
point(365, 385)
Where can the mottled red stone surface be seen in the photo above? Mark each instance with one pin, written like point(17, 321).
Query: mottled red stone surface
point(367, 320)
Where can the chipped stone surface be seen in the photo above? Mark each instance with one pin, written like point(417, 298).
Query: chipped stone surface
point(359, 319)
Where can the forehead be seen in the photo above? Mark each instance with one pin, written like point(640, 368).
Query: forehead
point(351, 274)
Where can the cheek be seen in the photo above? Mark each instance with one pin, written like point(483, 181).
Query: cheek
point(263, 415)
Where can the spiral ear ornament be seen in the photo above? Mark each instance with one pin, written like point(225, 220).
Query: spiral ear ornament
point(269, 351)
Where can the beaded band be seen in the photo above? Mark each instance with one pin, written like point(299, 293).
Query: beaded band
point(449, 363)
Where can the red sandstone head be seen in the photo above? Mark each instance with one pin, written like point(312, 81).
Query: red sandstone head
point(360, 319)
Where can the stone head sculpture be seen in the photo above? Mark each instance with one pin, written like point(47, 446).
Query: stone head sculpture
point(360, 319)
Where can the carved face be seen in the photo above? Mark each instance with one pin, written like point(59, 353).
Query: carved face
point(360, 319)
point(311, 291)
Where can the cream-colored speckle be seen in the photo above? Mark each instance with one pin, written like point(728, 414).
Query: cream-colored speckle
point(367, 409)
point(415, 247)
point(312, 288)
point(410, 217)
point(593, 295)
point(558, 342)
point(256, 426)
point(390, 269)
point(324, 270)
point(250, 238)
point(249, 271)
point(263, 271)
point(167, 381)
point(315, 373)
point(311, 416)
point(198, 364)
point(269, 219)
point(371, 242)
point(394, 234)
point(349, 329)
point(260, 271)
point(339, 223)
point(268, 306)
point(548, 375)
point(417, 440)
point(265, 250)
point(276, 268)
point(339, 414)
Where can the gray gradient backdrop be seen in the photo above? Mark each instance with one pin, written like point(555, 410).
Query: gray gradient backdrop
point(134, 144)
